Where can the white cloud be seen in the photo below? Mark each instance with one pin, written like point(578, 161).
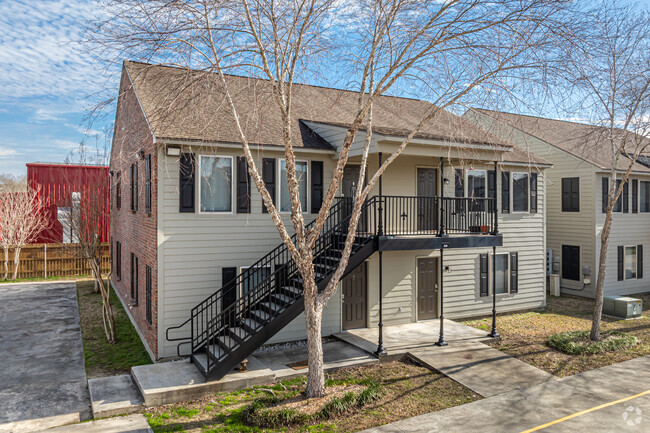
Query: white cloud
point(66, 144)
point(7, 152)
point(84, 131)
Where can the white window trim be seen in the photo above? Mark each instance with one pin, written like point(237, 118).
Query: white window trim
point(279, 186)
point(232, 186)
point(491, 278)
point(512, 192)
point(467, 181)
point(636, 262)
point(241, 271)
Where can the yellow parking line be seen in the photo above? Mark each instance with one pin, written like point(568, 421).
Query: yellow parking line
point(582, 412)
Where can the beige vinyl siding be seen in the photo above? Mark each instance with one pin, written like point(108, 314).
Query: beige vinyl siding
point(628, 229)
point(194, 247)
point(522, 232)
point(563, 228)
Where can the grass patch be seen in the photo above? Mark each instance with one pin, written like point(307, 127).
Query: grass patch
point(381, 394)
point(579, 343)
point(525, 335)
point(102, 358)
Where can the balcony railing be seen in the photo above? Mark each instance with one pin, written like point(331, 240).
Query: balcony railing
point(415, 215)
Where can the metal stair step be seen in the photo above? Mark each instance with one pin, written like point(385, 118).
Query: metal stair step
point(282, 298)
point(227, 342)
point(216, 351)
point(239, 333)
point(271, 307)
point(202, 359)
point(253, 324)
point(294, 290)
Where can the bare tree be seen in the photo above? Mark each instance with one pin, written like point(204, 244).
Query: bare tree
point(609, 70)
point(87, 217)
point(22, 217)
point(444, 51)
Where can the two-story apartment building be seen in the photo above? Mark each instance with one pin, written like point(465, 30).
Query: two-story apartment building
point(577, 201)
point(197, 258)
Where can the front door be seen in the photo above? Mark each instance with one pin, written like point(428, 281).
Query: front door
point(354, 298)
point(427, 288)
point(427, 190)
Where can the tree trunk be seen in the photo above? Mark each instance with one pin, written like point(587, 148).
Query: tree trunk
point(16, 263)
point(107, 309)
point(600, 282)
point(316, 375)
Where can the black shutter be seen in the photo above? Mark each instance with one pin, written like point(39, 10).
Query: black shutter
point(605, 193)
point(575, 194)
point(460, 183)
point(626, 196)
point(186, 176)
point(132, 276)
point(514, 272)
point(639, 261)
point(137, 280)
point(118, 259)
point(243, 186)
point(148, 295)
point(147, 184)
point(505, 192)
point(316, 186)
point(566, 194)
point(533, 192)
point(135, 186)
point(118, 192)
point(621, 263)
point(483, 282)
point(268, 176)
point(132, 185)
point(635, 195)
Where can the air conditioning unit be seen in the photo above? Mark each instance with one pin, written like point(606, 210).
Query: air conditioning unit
point(622, 306)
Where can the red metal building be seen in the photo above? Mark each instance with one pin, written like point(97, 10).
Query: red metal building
point(62, 185)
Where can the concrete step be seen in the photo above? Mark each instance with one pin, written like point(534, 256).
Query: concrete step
point(131, 424)
point(114, 395)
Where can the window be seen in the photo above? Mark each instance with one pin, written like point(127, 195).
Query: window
point(215, 188)
point(644, 196)
point(118, 190)
point(134, 279)
point(134, 187)
point(254, 277)
point(520, 192)
point(301, 174)
point(118, 260)
point(630, 263)
point(505, 192)
point(148, 294)
point(476, 189)
point(501, 274)
point(147, 184)
point(571, 194)
point(621, 204)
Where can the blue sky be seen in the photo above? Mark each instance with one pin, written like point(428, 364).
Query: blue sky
point(45, 82)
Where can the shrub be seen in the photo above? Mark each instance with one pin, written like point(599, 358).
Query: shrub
point(578, 342)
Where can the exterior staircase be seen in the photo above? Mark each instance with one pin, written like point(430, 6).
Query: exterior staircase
point(271, 295)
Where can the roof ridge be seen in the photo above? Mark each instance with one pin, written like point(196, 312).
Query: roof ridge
point(263, 79)
point(541, 118)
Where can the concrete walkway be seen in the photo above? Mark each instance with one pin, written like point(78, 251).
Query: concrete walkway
point(124, 424)
point(606, 400)
point(42, 375)
point(466, 359)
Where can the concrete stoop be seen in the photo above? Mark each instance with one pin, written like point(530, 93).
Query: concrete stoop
point(114, 395)
point(123, 424)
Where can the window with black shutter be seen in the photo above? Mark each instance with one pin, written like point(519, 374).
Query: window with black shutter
point(605, 194)
point(147, 184)
point(134, 279)
point(533, 192)
point(118, 190)
point(134, 187)
point(316, 186)
point(621, 263)
point(514, 272)
point(483, 277)
point(243, 186)
point(625, 196)
point(571, 194)
point(268, 176)
point(622, 204)
point(187, 175)
point(118, 260)
point(639, 261)
point(505, 192)
point(571, 262)
point(148, 294)
point(635, 195)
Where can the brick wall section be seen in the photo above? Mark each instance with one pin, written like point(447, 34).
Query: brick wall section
point(137, 231)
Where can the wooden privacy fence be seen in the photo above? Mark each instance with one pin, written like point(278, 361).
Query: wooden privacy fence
point(52, 260)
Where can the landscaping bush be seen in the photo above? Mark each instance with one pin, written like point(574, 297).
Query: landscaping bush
point(578, 342)
point(263, 413)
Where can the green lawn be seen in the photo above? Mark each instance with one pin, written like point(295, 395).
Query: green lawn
point(102, 358)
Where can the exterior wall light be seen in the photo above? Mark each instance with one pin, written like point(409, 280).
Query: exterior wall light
point(173, 151)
